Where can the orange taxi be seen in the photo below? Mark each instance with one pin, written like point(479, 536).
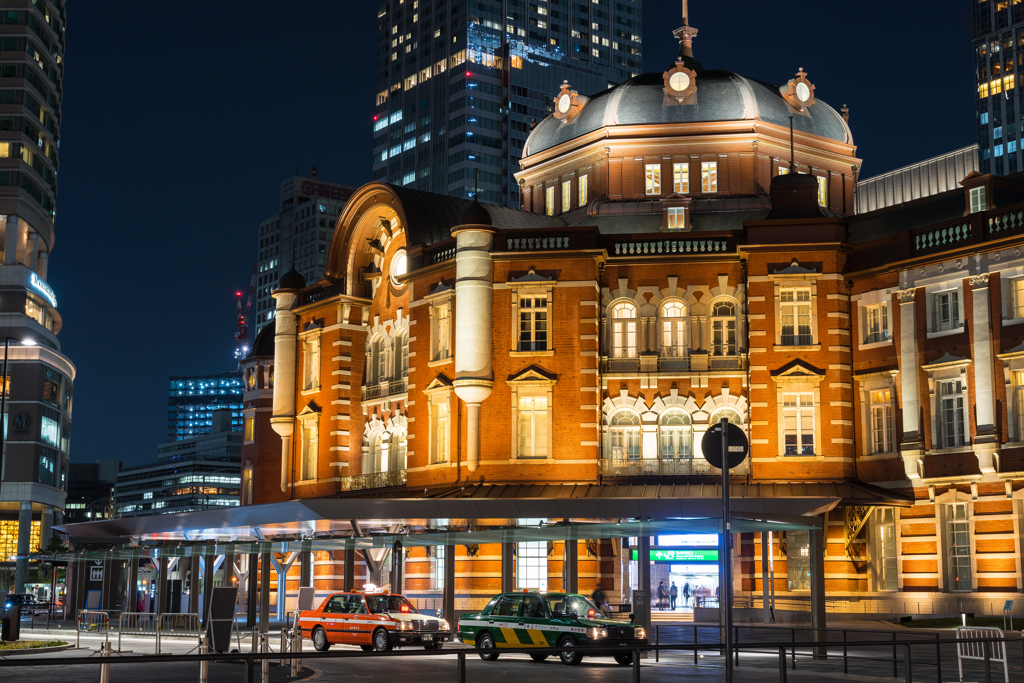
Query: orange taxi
point(373, 620)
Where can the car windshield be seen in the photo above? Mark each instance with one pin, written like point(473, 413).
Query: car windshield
point(573, 604)
point(379, 604)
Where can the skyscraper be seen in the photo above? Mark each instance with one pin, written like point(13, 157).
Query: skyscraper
point(38, 377)
point(191, 401)
point(460, 83)
point(998, 36)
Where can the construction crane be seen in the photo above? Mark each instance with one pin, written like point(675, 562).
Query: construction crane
point(242, 336)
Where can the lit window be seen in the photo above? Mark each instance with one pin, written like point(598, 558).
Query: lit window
point(549, 196)
point(397, 453)
point(624, 432)
point(533, 427)
point(437, 569)
point(885, 555)
point(624, 329)
point(250, 429)
point(533, 323)
point(681, 178)
point(947, 311)
point(311, 366)
point(881, 422)
point(798, 560)
point(982, 90)
point(951, 414)
point(876, 323)
point(673, 330)
point(441, 431)
point(308, 449)
point(798, 423)
point(399, 267)
point(795, 306)
point(709, 176)
point(959, 545)
point(652, 182)
point(531, 567)
point(442, 331)
point(583, 191)
point(723, 329)
point(676, 434)
point(822, 191)
point(977, 196)
point(676, 217)
point(783, 170)
point(1018, 399)
point(566, 196)
point(997, 151)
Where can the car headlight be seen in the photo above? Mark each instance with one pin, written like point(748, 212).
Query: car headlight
point(596, 633)
point(442, 624)
point(639, 633)
point(405, 626)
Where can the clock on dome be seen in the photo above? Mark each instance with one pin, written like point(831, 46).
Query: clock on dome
point(799, 92)
point(568, 103)
point(680, 85)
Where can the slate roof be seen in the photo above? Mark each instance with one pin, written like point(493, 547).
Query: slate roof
point(721, 96)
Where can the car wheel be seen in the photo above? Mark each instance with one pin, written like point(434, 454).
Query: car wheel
point(572, 658)
point(624, 658)
point(381, 642)
point(320, 643)
point(433, 646)
point(538, 658)
point(486, 642)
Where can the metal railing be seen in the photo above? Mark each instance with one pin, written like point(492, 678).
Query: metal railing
point(174, 624)
point(725, 363)
point(823, 653)
point(373, 480)
point(621, 365)
point(678, 363)
point(91, 621)
point(661, 467)
point(394, 387)
point(678, 246)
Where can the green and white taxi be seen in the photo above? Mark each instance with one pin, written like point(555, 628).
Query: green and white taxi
point(528, 619)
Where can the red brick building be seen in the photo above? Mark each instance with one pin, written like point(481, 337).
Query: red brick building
point(689, 251)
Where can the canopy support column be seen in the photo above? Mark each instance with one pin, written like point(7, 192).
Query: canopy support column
point(449, 584)
point(817, 566)
point(507, 568)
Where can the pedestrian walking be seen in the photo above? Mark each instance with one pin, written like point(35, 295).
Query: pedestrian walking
point(673, 594)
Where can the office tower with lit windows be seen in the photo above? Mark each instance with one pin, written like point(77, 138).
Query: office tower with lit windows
point(38, 377)
point(299, 234)
point(998, 50)
point(460, 83)
point(192, 400)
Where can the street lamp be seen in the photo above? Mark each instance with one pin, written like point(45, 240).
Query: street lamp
point(3, 401)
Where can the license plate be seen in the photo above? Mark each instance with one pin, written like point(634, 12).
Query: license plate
point(428, 637)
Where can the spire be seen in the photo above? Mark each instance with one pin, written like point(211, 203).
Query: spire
point(685, 34)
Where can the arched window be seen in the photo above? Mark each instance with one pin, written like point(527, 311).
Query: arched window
point(402, 361)
point(624, 329)
point(676, 434)
point(376, 452)
point(624, 429)
point(379, 360)
point(723, 329)
point(397, 452)
point(729, 414)
point(673, 330)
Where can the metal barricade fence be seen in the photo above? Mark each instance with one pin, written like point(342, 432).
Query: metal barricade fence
point(148, 624)
point(91, 621)
point(968, 646)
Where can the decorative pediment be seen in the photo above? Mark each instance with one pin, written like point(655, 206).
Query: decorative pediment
point(532, 278)
point(311, 409)
point(948, 360)
point(440, 289)
point(798, 370)
point(313, 325)
point(1016, 352)
point(796, 269)
point(439, 383)
point(533, 374)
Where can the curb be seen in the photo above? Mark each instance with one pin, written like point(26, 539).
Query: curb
point(36, 650)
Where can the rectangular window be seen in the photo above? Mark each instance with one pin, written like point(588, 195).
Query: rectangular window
point(676, 217)
point(795, 307)
point(652, 182)
point(978, 202)
point(441, 422)
point(876, 324)
point(959, 546)
point(308, 450)
point(250, 429)
point(46, 467)
point(51, 387)
point(881, 422)
point(49, 428)
point(951, 414)
point(533, 427)
point(533, 323)
point(583, 191)
point(442, 330)
point(798, 560)
point(947, 311)
point(709, 176)
point(566, 196)
point(549, 197)
point(798, 423)
point(532, 565)
point(1018, 400)
point(783, 170)
point(885, 560)
point(681, 178)
point(822, 191)
point(437, 569)
point(311, 366)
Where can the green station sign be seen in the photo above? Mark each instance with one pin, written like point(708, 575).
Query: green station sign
point(681, 554)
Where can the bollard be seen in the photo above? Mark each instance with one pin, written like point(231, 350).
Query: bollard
point(105, 667)
point(296, 649)
point(460, 674)
point(264, 663)
point(204, 666)
point(283, 647)
point(158, 635)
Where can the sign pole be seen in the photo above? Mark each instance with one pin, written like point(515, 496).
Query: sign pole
point(725, 592)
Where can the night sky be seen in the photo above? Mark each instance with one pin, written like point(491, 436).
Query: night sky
point(180, 122)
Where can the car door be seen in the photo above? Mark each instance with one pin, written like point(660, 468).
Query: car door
point(506, 620)
point(333, 619)
point(360, 627)
point(534, 620)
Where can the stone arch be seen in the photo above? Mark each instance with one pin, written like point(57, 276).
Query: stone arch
point(374, 211)
point(725, 399)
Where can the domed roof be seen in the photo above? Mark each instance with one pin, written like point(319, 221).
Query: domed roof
point(292, 280)
point(264, 344)
point(475, 214)
point(721, 96)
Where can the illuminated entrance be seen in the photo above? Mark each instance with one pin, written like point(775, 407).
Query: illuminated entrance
point(690, 561)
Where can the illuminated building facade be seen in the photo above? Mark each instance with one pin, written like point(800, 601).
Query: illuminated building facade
point(460, 83)
point(998, 50)
point(192, 400)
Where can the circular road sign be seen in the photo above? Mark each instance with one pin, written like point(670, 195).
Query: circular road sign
point(712, 445)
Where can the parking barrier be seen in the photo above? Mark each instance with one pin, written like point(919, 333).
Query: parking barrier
point(981, 643)
point(172, 624)
point(91, 621)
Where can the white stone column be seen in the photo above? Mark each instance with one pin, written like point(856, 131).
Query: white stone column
point(985, 442)
point(912, 444)
point(285, 348)
point(11, 235)
point(32, 251)
point(474, 323)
